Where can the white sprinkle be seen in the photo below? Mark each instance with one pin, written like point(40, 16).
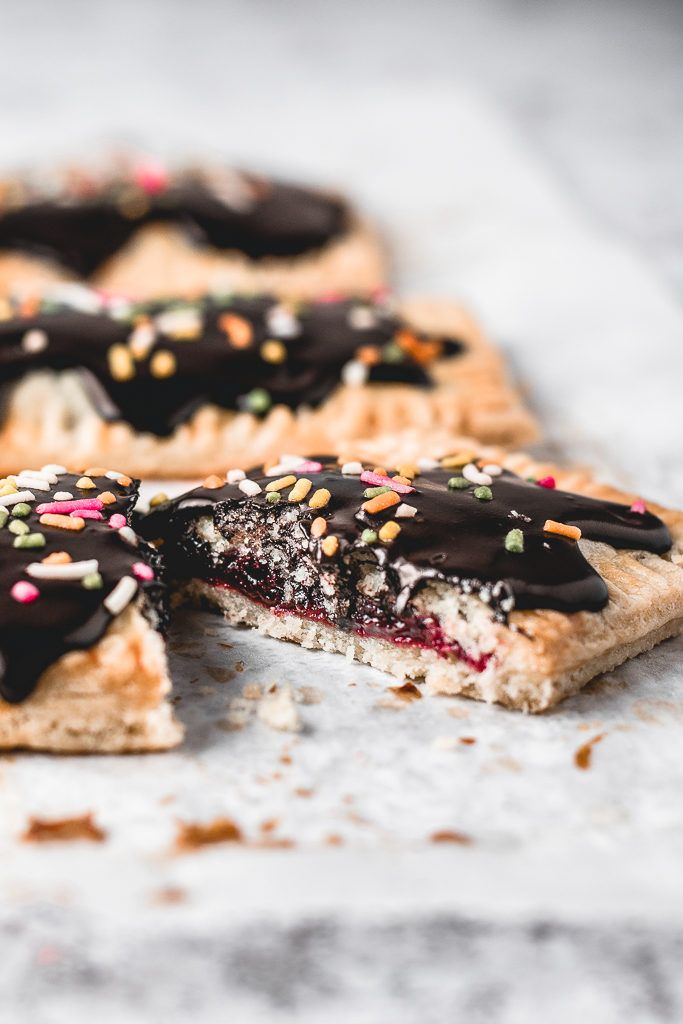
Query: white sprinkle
point(192, 503)
point(178, 321)
point(235, 475)
point(69, 571)
point(78, 296)
point(36, 483)
point(282, 323)
point(471, 473)
point(63, 496)
point(286, 464)
point(127, 534)
point(249, 487)
point(38, 474)
point(352, 469)
point(427, 464)
point(13, 499)
point(51, 468)
point(493, 469)
point(354, 374)
point(141, 340)
point(362, 318)
point(405, 511)
point(121, 595)
point(34, 341)
point(113, 474)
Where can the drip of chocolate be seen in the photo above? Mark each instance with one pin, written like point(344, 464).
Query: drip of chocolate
point(454, 536)
point(85, 223)
point(67, 615)
point(154, 364)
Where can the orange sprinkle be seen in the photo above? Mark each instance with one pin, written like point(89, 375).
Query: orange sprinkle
point(402, 479)
point(107, 498)
point(212, 482)
point(459, 459)
point(94, 471)
point(380, 471)
point(57, 558)
point(124, 481)
point(320, 498)
point(380, 502)
point(410, 471)
point(238, 330)
point(368, 355)
point(318, 527)
point(562, 529)
point(389, 531)
point(330, 546)
point(281, 482)
point(85, 483)
point(62, 522)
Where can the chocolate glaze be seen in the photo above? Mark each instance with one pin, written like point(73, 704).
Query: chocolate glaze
point(454, 537)
point(209, 368)
point(81, 226)
point(66, 616)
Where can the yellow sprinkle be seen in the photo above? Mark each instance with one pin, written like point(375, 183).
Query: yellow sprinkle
point(380, 471)
point(410, 471)
point(85, 483)
point(124, 481)
point(460, 459)
point(320, 498)
point(318, 527)
point(273, 351)
point(283, 481)
point(402, 479)
point(330, 546)
point(300, 489)
point(8, 488)
point(211, 483)
point(562, 529)
point(389, 531)
point(107, 498)
point(163, 363)
point(94, 471)
point(57, 558)
point(62, 522)
point(158, 499)
point(121, 365)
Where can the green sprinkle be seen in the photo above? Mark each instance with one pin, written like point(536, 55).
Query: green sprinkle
point(93, 581)
point(21, 509)
point(483, 493)
point(16, 526)
point(368, 536)
point(392, 353)
point(372, 492)
point(531, 480)
point(272, 497)
point(29, 540)
point(514, 542)
point(458, 483)
point(257, 401)
point(4, 516)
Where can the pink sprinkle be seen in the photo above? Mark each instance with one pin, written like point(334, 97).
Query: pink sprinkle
point(117, 521)
point(86, 513)
point(381, 294)
point(639, 506)
point(151, 177)
point(331, 297)
point(547, 481)
point(142, 571)
point(384, 481)
point(66, 507)
point(24, 592)
point(309, 467)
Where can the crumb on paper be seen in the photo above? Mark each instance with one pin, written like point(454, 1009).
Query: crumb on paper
point(584, 755)
point(168, 896)
point(239, 666)
point(457, 711)
point(407, 691)
point(252, 691)
point(390, 704)
point(304, 791)
point(448, 835)
point(44, 830)
point(192, 835)
point(277, 709)
point(220, 673)
point(334, 839)
point(308, 695)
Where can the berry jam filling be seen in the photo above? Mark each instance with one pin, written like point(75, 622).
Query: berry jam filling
point(259, 583)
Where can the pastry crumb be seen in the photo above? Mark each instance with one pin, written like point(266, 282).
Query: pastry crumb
point(192, 836)
point(278, 710)
point(42, 830)
point(450, 836)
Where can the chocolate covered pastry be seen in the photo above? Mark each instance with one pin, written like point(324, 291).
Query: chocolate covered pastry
point(82, 664)
point(148, 232)
point(483, 574)
point(184, 388)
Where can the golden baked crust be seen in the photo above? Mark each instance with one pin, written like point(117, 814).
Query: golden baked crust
point(49, 418)
point(110, 698)
point(543, 656)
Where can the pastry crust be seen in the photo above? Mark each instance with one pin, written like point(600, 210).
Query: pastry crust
point(49, 417)
point(543, 656)
point(110, 698)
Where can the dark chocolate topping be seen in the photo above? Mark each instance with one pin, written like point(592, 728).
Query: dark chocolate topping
point(454, 535)
point(84, 222)
point(67, 615)
point(154, 364)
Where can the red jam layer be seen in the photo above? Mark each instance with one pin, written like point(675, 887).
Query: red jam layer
point(416, 631)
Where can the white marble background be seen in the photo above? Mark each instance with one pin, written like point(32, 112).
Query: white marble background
point(527, 157)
